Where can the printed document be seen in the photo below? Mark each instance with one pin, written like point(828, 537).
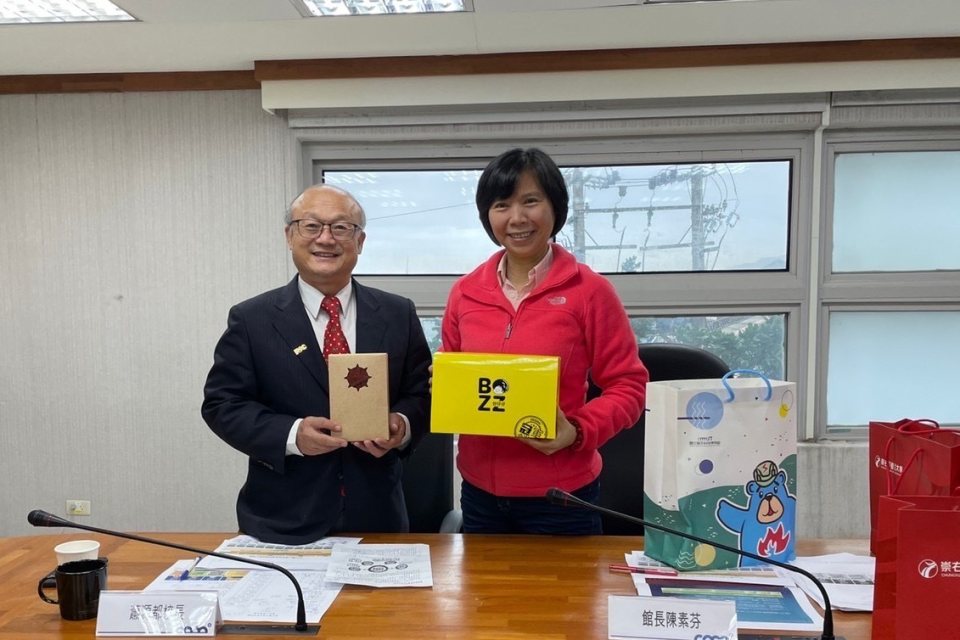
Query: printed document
point(253, 595)
point(381, 565)
point(305, 557)
point(848, 579)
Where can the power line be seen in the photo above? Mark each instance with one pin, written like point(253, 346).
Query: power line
point(410, 213)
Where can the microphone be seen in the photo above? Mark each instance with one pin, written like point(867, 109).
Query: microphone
point(560, 497)
point(39, 518)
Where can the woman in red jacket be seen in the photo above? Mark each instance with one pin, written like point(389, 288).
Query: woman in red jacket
point(534, 298)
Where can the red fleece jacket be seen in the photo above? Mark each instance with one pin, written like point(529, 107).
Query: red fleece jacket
point(575, 314)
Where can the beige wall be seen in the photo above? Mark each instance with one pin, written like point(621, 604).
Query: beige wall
point(833, 491)
point(129, 223)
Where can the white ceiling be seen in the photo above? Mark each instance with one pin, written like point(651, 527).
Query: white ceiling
point(200, 35)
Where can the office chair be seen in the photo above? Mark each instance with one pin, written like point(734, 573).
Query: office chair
point(428, 485)
point(621, 480)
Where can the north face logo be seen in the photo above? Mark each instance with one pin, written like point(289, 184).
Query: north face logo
point(557, 300)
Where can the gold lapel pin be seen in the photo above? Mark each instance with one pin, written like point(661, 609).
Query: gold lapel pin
point(299, 349)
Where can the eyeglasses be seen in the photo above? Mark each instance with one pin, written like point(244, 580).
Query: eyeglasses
point(311, 229)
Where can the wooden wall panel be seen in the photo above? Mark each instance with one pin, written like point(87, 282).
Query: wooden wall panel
point(493, 63)
point(611, 59)
point(124, 82)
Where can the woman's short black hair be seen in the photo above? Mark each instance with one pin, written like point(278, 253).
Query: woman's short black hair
point(499, 180)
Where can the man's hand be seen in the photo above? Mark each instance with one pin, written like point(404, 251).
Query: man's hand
point(430, 379)
point(379, 447)
point(316, 436)
point(566, 435)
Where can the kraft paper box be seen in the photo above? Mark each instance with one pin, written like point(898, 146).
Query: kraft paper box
point(497, 394)
point(359, 395)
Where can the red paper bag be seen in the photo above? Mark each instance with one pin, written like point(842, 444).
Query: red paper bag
point(911, 458)
point(917, 583)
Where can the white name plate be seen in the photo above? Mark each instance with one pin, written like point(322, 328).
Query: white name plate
point(650, 618)
point(158, 613)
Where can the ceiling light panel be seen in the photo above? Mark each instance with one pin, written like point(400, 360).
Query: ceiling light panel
point(321, 8)
point(32, 11)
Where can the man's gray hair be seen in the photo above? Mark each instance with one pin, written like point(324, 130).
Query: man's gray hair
point(288, 214)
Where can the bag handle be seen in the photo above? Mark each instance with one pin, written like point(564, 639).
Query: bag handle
point(916, 427)
point(730, 391)
point(919, 427)
point(892, 490)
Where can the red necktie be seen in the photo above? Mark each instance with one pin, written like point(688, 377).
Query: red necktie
point(333, 339)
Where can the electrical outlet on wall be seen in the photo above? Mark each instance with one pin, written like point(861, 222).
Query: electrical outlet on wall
point(78, 507)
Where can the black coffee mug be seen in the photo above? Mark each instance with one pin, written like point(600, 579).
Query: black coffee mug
point(78, 588)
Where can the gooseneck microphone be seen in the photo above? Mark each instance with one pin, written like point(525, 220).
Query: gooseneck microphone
point(39, 518)
point(560, 497)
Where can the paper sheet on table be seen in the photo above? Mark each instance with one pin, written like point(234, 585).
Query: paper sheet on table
point(381, 565)
point(253, 595)
point(848, 579)
point(759, 606)
point(765, 574)
point(305, 557)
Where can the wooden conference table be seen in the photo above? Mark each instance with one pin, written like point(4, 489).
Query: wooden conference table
point(484, 587)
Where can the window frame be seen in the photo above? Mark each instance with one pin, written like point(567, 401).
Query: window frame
point(689, 293)
point(683, 130)
point(776, 286)
point(890, 291)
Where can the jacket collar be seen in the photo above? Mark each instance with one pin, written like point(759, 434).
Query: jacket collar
point(483, 281)
point(293, 324)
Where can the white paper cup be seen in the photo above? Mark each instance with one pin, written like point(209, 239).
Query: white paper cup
point(77, 550)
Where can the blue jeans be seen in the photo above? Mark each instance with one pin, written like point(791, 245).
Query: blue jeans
point(486, 513)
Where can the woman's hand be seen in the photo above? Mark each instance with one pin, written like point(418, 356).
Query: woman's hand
point(566, 435)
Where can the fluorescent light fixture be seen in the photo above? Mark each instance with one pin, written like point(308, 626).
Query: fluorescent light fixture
point(31, 11)
point(319, 8)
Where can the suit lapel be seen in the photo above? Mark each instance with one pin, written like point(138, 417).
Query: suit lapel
point(294, 327)
point(371, 325)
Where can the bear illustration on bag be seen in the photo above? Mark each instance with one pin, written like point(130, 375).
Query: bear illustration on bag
point(765, 526)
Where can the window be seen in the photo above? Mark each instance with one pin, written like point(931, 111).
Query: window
point(408, 211)
point(891, 365)
point(717, 216)
point(754, 342)
point(431, 329)
point(891, 294)
point(744, 342)
point(896, 211)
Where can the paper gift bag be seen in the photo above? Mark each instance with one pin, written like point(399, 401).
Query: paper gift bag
point(721, 460)
point(917, 582)
point(913, 458)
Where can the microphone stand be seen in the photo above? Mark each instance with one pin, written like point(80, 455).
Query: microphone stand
point(40, 518)
point(560, 497)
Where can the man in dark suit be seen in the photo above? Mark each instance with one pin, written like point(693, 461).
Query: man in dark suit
point(267, 393)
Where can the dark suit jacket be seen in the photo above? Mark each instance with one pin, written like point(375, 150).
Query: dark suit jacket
point(258, 387)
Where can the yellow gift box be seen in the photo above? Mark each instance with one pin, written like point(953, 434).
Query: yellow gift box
point(495, 394)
